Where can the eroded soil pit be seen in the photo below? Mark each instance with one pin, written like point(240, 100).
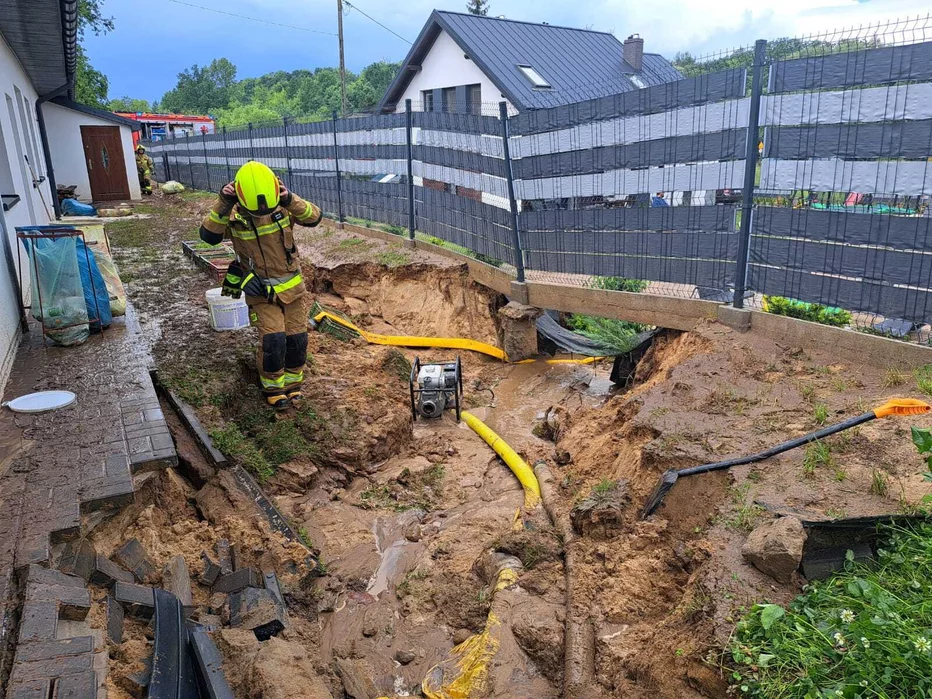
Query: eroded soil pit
point(404, 514)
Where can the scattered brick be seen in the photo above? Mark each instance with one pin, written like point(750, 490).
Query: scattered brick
point(224, 556)
point(177, 581)
point(114, 620)
point(137, 600)
point(256, 609)
point(78, 559)
point(236, 581)
point(132, 556)
point(211, 570)
point(106, 573)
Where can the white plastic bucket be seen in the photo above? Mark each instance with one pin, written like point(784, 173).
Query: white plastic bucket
point(226, 313)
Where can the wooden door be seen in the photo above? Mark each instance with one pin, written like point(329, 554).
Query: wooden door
point(106, 166)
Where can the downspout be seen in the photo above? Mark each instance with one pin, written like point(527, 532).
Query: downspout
point(69, 26)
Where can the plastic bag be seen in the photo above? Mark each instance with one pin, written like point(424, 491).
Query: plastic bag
point(172, 187)
point(72, 207)
point(96, 296)
point(58, 285)
point(112, 279)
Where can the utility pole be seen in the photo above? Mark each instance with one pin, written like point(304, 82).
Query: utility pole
point(342, 61)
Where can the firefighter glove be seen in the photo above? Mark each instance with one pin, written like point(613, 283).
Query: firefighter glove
point(254, 286)
point(284, 196)
point(233, 281)
point(228, 194)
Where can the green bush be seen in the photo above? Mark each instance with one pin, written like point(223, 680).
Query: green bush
point(619, 335)
point(618, 284)
point(778, 305)
point(865, 632)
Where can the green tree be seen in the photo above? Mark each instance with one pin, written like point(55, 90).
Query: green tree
point(129, 104)
point(91, 86)
point(477, 7)
point(202, 89)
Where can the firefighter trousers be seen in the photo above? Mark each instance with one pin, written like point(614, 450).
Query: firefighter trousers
point(282, 350)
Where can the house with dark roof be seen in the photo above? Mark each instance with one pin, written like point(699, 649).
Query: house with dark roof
point(468, 63)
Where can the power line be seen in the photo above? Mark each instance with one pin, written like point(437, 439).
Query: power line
point(348, 4)
point(253, 19)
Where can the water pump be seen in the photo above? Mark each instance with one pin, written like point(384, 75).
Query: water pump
point(436, 387)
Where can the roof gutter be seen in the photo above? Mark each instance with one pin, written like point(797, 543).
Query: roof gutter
point(69, 26)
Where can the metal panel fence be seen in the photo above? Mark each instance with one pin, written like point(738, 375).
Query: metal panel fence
point(810, 181)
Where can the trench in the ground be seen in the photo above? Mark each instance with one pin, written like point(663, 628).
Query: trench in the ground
point(402, 514)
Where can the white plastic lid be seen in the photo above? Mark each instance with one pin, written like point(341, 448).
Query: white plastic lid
point(41, 401)
point(214, 293)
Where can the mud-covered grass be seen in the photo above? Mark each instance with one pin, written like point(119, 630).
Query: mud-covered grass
point(422, 490)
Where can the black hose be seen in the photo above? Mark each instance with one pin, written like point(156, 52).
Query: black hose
point(780, 448)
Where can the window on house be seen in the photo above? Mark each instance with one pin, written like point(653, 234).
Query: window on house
point(637, 80)
point(449, 99)
point(7, 185)
point(535, 78)
point(34, 131)
point(29, 142)
point(427, 99)
point(474, 99)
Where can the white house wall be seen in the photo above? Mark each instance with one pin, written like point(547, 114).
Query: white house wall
point(445, 66)
point(67, 148)
point(15, 87)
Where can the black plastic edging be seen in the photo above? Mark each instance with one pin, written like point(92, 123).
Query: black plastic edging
point(172, 669)
point(208, 665)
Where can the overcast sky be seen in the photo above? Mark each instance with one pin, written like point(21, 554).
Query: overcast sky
point(156, 39)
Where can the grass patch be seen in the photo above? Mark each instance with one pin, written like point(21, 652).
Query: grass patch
point(618, 335)
point(746, 512)
point(396, 363)
point(894, 377)
point(880, 483)
point(131, 234)
point(866, 632)
point(353, 244)
point(232, 442)
point(635, 286)
point(812, 312)
point(820, 413)
point(393, 258)
point(817, 454)
point(923, 376)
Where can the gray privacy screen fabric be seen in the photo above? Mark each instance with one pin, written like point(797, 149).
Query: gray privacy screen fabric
point(460, 159)
point(854, 68)
point(671, 218)
point(659, 98)
point(869, 297)
point(722, 145)
point(467, 123)
point(868, 263)
point(712, 273)
point(903, 232)
point(869, 104)
point(887, 177)
point(480, 227)
point(901, 139)
point(375, 201)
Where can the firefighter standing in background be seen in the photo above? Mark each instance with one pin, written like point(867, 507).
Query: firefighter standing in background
point(258, 213)
point(144, 166)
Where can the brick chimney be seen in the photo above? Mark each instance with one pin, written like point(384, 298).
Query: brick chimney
point(634, 51)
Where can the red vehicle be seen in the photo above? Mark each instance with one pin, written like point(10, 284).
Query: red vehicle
point(159, 126)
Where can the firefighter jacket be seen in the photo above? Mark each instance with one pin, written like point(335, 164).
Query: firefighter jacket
point(264, 245)
point(144, 164)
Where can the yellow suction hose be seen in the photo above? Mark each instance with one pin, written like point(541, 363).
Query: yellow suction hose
point(441, 342)
point(518, 466)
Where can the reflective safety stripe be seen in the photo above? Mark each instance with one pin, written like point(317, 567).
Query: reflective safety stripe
point(246, 280)
point(284, 286)
point(272, 383)
point(306, 213)
point(233, 279)
point(293, 378)
point(267, 229)
point(216, 218)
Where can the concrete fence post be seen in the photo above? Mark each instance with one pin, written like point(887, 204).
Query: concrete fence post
point(512, 201)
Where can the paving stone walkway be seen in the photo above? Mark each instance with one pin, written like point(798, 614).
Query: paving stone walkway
point(56, 467)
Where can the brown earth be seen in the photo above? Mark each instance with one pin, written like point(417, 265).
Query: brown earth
point(404, 514)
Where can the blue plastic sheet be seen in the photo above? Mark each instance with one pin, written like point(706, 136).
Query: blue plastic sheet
point(96, 296)
point(72, 207)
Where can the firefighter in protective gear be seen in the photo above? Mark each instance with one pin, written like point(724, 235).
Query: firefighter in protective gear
point(144, 167)
point(259, 214)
